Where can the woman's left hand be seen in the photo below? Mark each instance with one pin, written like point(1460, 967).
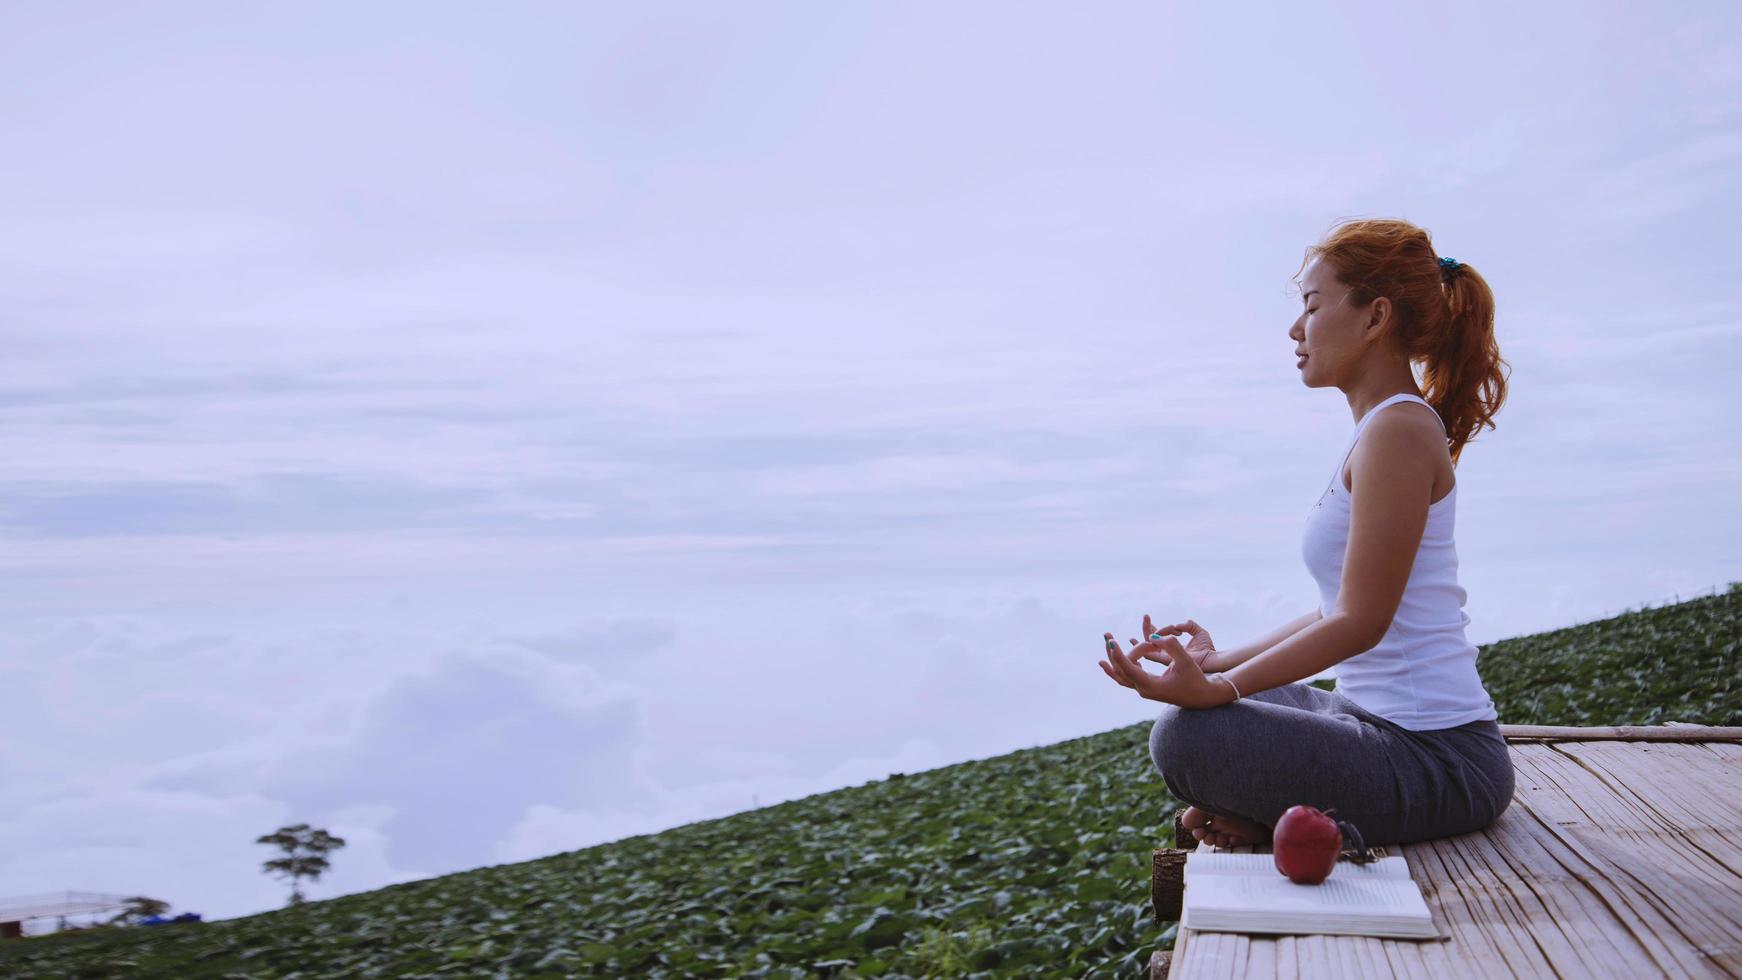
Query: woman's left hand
point(1182, 683)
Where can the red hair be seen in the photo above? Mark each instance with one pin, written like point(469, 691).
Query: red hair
point(1444, 319)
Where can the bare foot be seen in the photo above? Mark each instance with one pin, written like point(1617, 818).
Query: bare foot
point(1224, 831)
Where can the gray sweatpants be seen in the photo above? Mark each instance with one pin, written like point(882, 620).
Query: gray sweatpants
point(1258, 756)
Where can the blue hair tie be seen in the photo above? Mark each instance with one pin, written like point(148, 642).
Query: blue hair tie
point(1448, 266)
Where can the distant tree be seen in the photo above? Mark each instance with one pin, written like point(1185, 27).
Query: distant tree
point(305, 855)
point(139, 907)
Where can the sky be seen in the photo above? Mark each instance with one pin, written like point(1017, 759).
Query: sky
point(486, 433)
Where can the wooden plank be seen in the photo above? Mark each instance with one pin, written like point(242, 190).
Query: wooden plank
point(1638, 733)
point(1345, 953)
point(1499, 915)
point(1653, 807)
point(1406, 960)
point(1690, 793)
point(1642, 820)
point(1287, 958)
point(1709, 773)
point(1260, 959)
point(1593, 923)
point(1182, 942)
point(1634, 912)
point(1367, 956)
point(1315, 956)
point(1473, 896)
point(1239, 955)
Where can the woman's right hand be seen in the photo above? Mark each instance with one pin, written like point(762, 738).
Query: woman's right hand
point(1200, 647)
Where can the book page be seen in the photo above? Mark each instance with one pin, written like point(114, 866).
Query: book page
point(1367, 906)
point(1264, 865)
point(1334, 897)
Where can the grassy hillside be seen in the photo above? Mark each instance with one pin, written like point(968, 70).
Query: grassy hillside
point(1034, 863)
point(1672, 663)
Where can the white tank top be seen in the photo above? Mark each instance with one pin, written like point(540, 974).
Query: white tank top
point(1422, 674)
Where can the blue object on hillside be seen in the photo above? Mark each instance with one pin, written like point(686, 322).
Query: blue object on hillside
point(158, 920)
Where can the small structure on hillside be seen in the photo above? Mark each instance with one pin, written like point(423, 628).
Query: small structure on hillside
point(15, 912)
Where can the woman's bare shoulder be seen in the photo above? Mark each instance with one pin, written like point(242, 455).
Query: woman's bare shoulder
point(1403, 438)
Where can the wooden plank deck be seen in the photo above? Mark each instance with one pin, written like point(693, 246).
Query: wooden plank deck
point(1620, 856)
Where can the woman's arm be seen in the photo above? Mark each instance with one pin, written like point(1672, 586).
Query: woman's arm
point(1389, 512)
point(1229, 659)
point(1321, 645)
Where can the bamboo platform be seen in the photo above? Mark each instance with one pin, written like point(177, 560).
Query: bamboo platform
point(1620, 856)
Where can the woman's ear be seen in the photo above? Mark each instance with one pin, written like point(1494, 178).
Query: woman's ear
point(1379, 320)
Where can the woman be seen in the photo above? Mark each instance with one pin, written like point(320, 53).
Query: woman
point(1408, 747)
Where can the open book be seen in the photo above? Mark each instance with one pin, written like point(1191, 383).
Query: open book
point(1230, 892)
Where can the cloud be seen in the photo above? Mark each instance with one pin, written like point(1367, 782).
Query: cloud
point(1665, 181)
point(460, 750)
point(597, 646)
point(314, 502)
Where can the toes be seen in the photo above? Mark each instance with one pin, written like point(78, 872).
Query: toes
point(1225, 838)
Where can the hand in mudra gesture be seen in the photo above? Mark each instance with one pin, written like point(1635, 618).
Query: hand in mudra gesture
point(1199, 647)
point(1183, 683)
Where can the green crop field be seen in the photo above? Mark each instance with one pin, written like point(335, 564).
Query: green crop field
point(1030, 864)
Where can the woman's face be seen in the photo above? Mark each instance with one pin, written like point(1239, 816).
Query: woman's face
point(1328, 331)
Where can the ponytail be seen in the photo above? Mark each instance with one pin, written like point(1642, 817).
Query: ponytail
point(1462, 376)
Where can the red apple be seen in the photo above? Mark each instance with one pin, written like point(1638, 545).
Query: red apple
point(1306, 844)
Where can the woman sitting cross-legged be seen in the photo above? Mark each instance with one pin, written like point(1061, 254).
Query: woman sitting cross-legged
point(1408, 746)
